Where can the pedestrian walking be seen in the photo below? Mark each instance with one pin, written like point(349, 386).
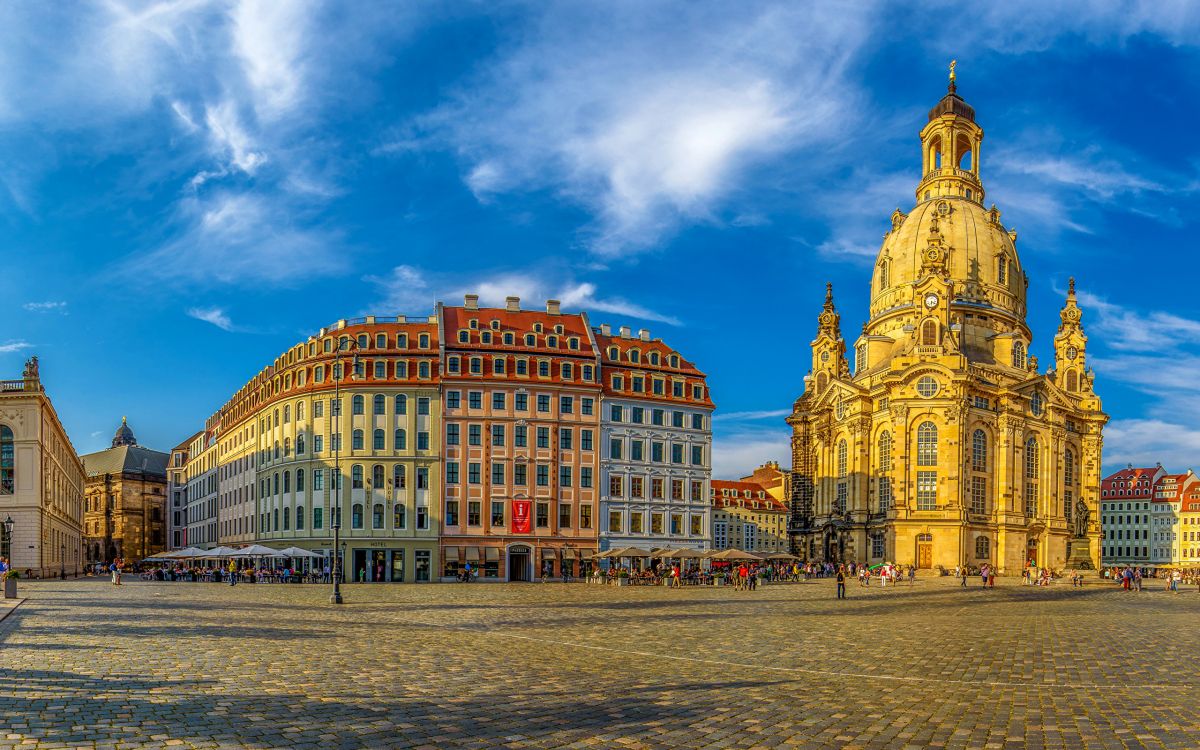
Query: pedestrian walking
point(233, 574)
point(964, 576)
point(841, 582)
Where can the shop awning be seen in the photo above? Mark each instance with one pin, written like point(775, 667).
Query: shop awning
point(472, 554)
point(568, 553)
point(451, 554)
point(548, 554)
point(587, 554)
point(491, 554)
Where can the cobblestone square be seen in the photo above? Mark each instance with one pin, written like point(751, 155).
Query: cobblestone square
point(86, 664)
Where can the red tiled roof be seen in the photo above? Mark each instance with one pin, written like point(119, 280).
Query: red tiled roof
point(766, 502)
point(622, 367)
point(498, 321)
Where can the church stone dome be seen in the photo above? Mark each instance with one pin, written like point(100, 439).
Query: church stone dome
point(981, 258)
point(124, 435)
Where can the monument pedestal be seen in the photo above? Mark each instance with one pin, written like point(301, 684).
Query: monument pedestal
point(1079, 557)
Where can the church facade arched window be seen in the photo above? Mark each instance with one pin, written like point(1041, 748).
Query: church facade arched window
point(927, 447)
point(8, 470)
point(1018, 355)
point(929, 333)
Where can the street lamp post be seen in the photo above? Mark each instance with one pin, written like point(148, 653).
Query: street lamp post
point(62, 562)
point(6, 542)
point(336, 436)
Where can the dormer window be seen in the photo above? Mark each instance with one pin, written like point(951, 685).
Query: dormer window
point(508, 339)
point(552, 342)
point(635, 356)
point(495, 325)
point(530, 340)
point(653, 358)
point(537, 327)
point(558, 329)
point(674, 360)
point(473, 324)
point(613, 353)
point(486, 337)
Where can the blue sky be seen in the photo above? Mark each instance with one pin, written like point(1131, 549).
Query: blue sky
point(188, 187)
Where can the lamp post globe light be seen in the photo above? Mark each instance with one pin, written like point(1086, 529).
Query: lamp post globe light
point(344, 345)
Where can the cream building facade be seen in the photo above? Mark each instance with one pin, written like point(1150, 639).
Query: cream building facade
point(947, 444)
point(747, 517)
point(41, 481)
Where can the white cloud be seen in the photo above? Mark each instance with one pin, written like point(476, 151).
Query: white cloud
point(214, 315)
point(230, 137)
point(1150, 351)
point(650, 119)
point(740, 416)
point(14, 346)
point(737, 454)
point(409, 288)
point(46, 307)
point(270, 39)
point(239, 239)
point(1144, 442)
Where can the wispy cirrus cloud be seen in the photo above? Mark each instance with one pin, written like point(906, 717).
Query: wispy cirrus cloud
point(238, 239)
point(410, 288)
point(50, 306)
point(213, 315)
point(14, 345)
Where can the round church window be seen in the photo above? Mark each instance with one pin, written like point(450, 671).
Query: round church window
point(927, 386)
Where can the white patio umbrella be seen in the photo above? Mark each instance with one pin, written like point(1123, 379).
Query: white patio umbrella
point(181, 554)
point(219, 552)
point(297, 552)
point(258, 550)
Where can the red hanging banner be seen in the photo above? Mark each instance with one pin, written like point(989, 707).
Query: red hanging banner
point(520, 516)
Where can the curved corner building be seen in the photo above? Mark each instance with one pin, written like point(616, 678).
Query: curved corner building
point(471, 436)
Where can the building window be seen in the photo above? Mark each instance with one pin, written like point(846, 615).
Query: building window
point(927, 447)
point(474, 511)
point(927, 386)
point(1068, 468)
point(839, 505)
point(929, 333)
point(614, 521)
point(982, 548)
point(497, 512)
point(1018, 355)
point(979, 495)
point(926, 490)
point(542, 515)
point(979, 451)
point(1035, 403)
point(356, 516)
point(616, 486)
point(841, 459)
point(356, 440)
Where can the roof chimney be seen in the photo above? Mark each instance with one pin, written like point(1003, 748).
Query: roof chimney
point(512, 304)
point(643, 334)
point(552, 306)
point(471, 301)
point(605, 329)
point(624, 332)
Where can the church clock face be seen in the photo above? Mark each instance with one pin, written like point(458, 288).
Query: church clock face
point(931, 300)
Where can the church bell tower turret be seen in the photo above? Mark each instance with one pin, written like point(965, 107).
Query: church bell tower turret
point(950, 150)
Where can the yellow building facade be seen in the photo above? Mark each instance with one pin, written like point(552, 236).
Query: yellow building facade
point(947, 445)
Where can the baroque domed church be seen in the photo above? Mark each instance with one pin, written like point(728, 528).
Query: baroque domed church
point(947, 445)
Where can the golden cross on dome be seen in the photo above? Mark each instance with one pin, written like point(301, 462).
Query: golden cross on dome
point(952, 64)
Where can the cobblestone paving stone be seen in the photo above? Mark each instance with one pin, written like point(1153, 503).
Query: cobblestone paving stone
point(85, 664)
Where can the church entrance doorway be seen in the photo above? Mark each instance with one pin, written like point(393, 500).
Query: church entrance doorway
point(925, 551)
